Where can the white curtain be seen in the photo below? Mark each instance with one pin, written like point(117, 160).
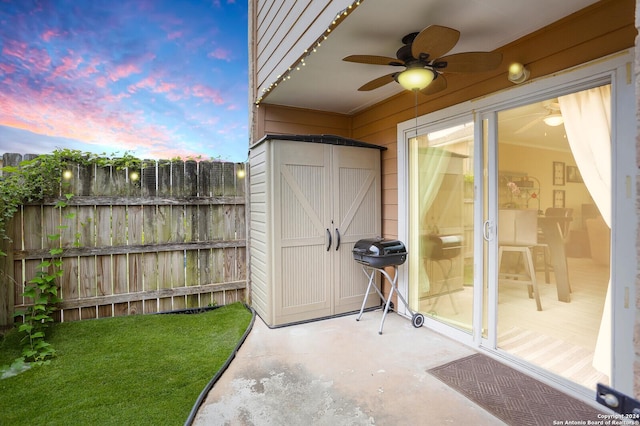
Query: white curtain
point(587, 121)
point(430, 167)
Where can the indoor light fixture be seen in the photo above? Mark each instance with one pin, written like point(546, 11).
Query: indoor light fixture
point(518, 73)
point(415, 79)
point(553, 120)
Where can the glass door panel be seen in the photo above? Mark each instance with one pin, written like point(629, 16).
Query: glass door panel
point(553, 226)
point(441, 225)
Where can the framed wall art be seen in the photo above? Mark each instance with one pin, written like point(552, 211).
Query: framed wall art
point(558, 198)
point(573, 174)
point(558, 173)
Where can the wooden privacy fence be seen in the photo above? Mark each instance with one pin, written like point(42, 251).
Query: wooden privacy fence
point(160, 238)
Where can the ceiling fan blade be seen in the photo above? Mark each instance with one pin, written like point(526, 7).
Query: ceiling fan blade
point(437, 85)
point(373, 60)
point(378, 82)
point(472, 61)
point(529, 125)
point(434, 40)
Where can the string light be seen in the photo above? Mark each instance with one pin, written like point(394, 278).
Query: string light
point(297, 66)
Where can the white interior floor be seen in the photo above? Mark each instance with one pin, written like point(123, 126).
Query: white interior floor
point(561, 338)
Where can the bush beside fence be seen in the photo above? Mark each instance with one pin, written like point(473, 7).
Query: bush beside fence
point(163, 237)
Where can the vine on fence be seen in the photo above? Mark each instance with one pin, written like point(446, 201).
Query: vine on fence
point(43, 290)
point(41, 177)
point(34, 180)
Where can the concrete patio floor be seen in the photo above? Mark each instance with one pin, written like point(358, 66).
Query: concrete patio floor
point(341, 372)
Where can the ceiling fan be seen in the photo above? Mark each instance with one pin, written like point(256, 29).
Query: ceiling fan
point(422, 58)
point(550, 115)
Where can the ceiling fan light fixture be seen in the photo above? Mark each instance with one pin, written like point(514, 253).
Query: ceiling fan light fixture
point(415, 79)
point(518, 73)
point(553, 120)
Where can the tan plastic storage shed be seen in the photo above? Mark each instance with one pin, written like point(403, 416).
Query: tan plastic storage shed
point(311, 198)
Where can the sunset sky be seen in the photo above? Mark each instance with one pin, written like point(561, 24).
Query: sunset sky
point(155, 78)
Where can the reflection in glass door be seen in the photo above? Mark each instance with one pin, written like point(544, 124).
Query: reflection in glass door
point(553, 226)
point(441, 224)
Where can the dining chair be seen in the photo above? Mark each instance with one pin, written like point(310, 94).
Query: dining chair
point(564, 216)
point(518, 233)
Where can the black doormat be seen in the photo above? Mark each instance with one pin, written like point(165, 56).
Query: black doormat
point(512, 396)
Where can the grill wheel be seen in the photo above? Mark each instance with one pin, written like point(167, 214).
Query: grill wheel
point(417, 320)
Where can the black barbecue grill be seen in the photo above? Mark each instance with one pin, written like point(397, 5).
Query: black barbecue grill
point(442, 249)
point(375, 254)
point(379, 253)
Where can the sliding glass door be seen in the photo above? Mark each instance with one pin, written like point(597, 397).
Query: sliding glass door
point(441, 223)
point(519, 214)
point(553, 233)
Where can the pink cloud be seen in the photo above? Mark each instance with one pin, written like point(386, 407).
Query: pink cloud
point(95, 121)
point(90, 69)
point(15, 48)
point(68, 64)
point(153, 85)
point(174, 35)
point(219, 53)
point(101, 81)
point(123, 71)
point(207, 93)
point(31, 58)
point(49, 34)
point(146, 83)
point(7, 68)
point(165, 87)
point(76, 115)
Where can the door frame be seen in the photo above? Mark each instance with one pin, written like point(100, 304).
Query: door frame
point(616, 69)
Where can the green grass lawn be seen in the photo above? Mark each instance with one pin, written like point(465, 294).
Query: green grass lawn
point(135, 370)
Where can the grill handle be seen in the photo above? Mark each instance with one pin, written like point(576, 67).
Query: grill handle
point(329, 235)
point(338, 239)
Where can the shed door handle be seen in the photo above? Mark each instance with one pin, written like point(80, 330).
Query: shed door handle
point(338, 239)
point(329, 235)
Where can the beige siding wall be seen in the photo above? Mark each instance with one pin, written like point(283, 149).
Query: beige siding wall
point(283, 30)
point(260, 293)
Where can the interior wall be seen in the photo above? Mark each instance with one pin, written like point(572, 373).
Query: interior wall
point(576, 194)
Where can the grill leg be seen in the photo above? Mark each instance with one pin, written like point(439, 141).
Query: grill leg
point(371, 276)
point(393, 288)
point(445, 283)
point(387, 301)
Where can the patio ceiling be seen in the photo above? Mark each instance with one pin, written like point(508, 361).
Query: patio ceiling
point(376, 27)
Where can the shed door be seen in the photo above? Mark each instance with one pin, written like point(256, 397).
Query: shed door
point(356, 215)
point(302, 287)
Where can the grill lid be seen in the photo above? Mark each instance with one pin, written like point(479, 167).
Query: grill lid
point(439, 247)
point(379, 253)
point(379, 247)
